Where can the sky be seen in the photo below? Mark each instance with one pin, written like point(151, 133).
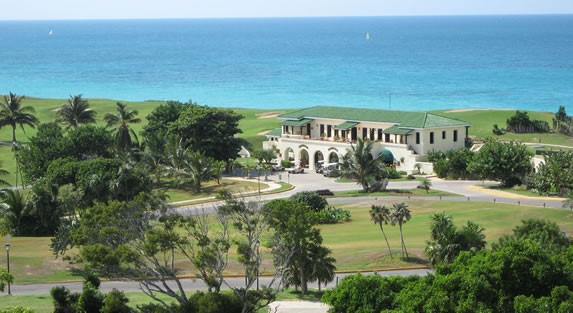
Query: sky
point(128, 9)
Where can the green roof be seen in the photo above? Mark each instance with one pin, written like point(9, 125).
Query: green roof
point(298, 122)
point(274, 133)
point(410, 119)
point(398, 130)
point(346, 125)
point(386, 156)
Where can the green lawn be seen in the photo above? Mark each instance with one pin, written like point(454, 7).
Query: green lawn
point(357, 245)
point(211, 189)
point(396, 192)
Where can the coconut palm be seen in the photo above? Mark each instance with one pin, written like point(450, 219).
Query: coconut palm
point(381, 215)
point(13, 113)
point(121, 120)
point(400, 215)
point(358, 163)
point(75, 112)
point(323, 268)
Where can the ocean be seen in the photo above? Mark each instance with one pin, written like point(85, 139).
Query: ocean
point(407, 63)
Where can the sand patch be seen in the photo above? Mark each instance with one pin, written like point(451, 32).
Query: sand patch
point(468, 110)
point(264, 132)
point(269, 114)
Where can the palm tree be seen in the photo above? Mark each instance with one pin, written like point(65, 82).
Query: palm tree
point(568, 203)
point(323, 268)
point(121, 121)
point(400, 215)
point(12, 206)
point(200, 168)
point(425, 184)
point(76, 112)
point(381, 215)
point(13, 113)
point(359, 164)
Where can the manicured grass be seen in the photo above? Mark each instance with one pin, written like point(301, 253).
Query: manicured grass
point(396, 192)
point(211, 189)
point(357, 245)
point(482, 124)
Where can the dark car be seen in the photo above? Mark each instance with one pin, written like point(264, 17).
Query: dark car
point(296, 170)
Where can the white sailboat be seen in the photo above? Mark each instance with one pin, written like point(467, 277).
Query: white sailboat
point(367, 36)
point(50, 33)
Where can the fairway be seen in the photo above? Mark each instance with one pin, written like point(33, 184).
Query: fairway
point(357, 245)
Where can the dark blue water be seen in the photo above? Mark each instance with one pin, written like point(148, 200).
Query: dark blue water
point(523, 62)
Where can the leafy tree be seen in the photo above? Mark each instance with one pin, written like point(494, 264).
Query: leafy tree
point(447, 242)
point(209, 130)
point(5, 278)
point(86, 142)
point(555, 175)
point(544, 232)
point(293, 224)
point(380, 214)
point(121, 121)
point(508, 163)
point(358, 163)
point(400, 214)
point(160, 119)
point(13, 113)
point(75, 112)
point(315, 201)
point(265, 155)
point(425, 184)
point(115, 302)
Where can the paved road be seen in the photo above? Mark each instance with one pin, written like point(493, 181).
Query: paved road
point(189, 284)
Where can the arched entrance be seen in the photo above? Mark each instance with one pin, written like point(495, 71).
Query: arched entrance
point(387, 157)
point(288, 155)
point(318, 157)
point(333, 157)
point(303, 158)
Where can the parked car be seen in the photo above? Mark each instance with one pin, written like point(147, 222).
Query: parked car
point(295, 170)
point(277, 168)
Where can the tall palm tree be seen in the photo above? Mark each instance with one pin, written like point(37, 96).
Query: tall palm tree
point(323, 268)
point(380, 214)
point(121, 120)
point(400, 215)
point(13, 113)
point(358, 163)
point(75, 112)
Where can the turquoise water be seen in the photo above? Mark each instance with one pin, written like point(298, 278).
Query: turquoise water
point(411, 63)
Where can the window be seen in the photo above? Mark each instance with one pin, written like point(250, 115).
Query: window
point(328, 131)
point(443, 134)
point(380, 133)
point(455, 135)
point(372, 134)
point(335, 132)
point(321, 130)
point(364, 133)
point(417, 138)
point(386, 137)
point(431, 137)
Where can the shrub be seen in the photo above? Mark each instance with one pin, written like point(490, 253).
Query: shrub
point(393, 173)
point(286, 163)
point(332, 215)
point(310, 198)
point(324, 192)
point(115, 302)
point(411, 177)
point(16, 309)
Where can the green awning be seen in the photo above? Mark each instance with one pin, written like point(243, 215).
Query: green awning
point(395, 130)
point(274, 133)
point(301, 122)
point(346, 125)
point(386, 156)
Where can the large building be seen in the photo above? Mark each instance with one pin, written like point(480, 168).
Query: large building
point(325, 133)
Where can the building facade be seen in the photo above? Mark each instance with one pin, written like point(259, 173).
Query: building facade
point(403, 138)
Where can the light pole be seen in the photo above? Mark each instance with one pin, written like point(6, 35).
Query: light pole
point(257, 245)
point(7, 246)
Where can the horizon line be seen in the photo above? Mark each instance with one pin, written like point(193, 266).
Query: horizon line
point(281, 17)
